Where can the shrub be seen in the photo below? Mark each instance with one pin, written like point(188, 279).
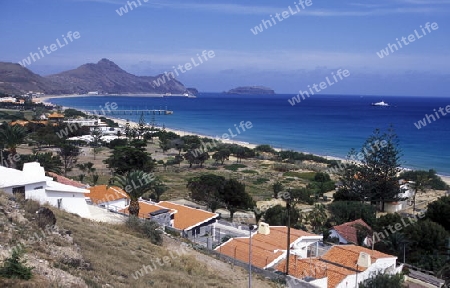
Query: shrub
point(260, 181)
point(145, 227)
point(13, 268)
point(234, 167)
point(249, 171)
point(149, 228)
point(265, 148)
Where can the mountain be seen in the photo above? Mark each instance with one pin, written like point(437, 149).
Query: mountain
point(104, 77)
point(15, 79)
point(251, 90)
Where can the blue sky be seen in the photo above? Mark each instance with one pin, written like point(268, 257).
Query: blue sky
point(298, 51)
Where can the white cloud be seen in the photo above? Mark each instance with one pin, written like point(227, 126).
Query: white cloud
point(239, 9)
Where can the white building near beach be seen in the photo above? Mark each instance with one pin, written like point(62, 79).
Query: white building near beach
point(31, 183)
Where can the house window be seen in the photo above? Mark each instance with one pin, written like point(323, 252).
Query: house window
point(38, 187)
point(59, 203)
point(19, 192)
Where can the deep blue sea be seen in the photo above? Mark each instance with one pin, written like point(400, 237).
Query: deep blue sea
point(328, 125)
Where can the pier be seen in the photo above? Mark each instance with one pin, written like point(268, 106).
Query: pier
point(131, 112)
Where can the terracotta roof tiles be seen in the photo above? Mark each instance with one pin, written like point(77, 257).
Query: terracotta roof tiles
point(187, 217)
point(336, 264)
point(349, 230)
point(67, 181)
point(100, 194)
point(265, 248)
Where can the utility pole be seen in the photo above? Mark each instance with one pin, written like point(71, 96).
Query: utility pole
point(287, 198)
point(250, 228)
point(288, 207)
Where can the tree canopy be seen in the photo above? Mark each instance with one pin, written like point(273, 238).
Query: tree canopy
point(124, 159)
point(439, 211)
point(217, 192)
point(373, 174)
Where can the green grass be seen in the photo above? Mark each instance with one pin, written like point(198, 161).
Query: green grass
point(260, 181)
point(302, 175)
point(247, 171)
point(234, 167)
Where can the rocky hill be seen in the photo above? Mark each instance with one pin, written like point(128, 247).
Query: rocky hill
point(251, 90)
point(15, 79)
point(104, 77)
point(80, 253)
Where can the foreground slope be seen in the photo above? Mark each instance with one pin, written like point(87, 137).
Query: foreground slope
point(82, 253)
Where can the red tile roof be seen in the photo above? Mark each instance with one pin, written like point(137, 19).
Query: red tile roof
point(265, 248)
point(100, 194)
point(67, 181)
point(348, 230)
point(340, 262)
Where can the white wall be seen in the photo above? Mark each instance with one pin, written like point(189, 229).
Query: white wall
point(36, 194)
point(116, 205)
point(381, 266)
point(334, 234)
point(300, 248)
point(71, 202)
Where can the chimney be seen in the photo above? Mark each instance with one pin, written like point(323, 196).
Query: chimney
point(263, 228)
point(363, 260)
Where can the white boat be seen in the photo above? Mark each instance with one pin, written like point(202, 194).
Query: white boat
point(382, 103)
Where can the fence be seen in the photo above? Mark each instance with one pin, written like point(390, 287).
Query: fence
point(266, 273)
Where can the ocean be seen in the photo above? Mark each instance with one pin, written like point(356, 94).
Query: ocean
point(327, 125)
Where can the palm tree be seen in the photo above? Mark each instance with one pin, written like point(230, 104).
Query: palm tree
point(317, 217)
point(11, 137)
point(135, 184)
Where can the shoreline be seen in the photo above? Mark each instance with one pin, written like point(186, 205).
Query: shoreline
point(45, 98)
point(181, 132)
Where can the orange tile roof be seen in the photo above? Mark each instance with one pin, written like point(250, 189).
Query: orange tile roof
point(55, 115)
point(238, 248)
point(187, 217)
point(347, 255)
point(340, 262)
point(146, 208)
point(348, 230)
point(99, 194)
point(18, 122)
point(24, 122)
point(263, 246)
point(315, 268)
point(67, 181)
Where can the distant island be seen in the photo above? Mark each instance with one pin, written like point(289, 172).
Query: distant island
point(251, 90)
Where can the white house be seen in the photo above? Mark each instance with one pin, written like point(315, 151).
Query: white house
point(342, 266)
point(348, 232)
point(406, 195)
point(32, 183)
point(269, 245)
point(112, 198)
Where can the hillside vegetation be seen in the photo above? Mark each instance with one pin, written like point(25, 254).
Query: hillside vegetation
point(81, 253)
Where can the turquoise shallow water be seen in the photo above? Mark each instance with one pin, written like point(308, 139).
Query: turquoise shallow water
point(328, 125)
